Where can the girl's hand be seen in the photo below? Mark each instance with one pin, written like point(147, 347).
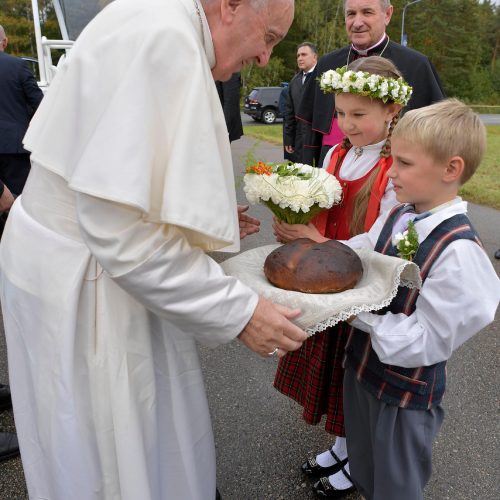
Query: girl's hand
point(288, 232)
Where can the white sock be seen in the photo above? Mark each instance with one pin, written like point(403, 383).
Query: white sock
point(325, 459)
point(339, 481)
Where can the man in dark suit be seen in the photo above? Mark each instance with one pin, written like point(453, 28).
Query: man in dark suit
point(365, 22)
point(307, 57)
point(229, 95)
point(19, 99)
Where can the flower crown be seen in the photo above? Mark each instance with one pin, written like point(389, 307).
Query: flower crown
point(366, 84)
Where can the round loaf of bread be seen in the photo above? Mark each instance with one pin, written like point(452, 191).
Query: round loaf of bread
point(306, 266)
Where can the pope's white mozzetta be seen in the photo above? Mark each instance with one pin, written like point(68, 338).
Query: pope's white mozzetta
point(101, 338)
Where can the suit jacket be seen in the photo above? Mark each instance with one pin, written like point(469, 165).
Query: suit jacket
point(292, 128)
point(229, 94)
point(317, 108)
point(19, 99)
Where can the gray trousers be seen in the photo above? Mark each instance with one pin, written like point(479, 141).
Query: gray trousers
point(390, 448)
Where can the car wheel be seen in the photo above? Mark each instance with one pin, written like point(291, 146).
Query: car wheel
point(269, 116)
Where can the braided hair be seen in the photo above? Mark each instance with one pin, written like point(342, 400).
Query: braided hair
point(378, 66)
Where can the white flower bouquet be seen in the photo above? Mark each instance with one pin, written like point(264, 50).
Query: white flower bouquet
point(294, 192)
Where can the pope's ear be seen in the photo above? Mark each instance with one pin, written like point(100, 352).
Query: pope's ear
point(454, 169)
point(229, 9)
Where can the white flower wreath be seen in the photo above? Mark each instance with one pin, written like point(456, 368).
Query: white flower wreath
point(366, 84)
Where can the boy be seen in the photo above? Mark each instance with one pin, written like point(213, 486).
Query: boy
point(395, 362)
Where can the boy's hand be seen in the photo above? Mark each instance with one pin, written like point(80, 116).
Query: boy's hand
point(288, 232)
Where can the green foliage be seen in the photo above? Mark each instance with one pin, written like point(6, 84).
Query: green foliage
point(408, 245)
point(268, 76)
point(17, 19)
point(461, 37)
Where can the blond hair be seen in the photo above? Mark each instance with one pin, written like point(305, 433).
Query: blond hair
point(374, 65)
point(445, 129)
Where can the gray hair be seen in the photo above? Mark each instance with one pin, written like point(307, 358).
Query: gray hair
point(2, 33)
point(308, 44)
point(385, 4)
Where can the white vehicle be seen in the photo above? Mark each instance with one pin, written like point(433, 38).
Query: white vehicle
point(72, 16)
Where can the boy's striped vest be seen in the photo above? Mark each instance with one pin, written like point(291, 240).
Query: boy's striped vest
point(418, 388)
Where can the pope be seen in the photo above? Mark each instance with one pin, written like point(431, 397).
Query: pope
point(105, 284)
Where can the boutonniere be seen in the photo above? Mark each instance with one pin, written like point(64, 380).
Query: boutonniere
point(407, 242)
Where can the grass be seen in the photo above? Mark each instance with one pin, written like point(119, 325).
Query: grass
point(483, 188)
point(268, 133)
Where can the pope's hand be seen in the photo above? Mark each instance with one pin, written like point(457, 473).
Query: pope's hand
point(270, 328)
point(248, 225)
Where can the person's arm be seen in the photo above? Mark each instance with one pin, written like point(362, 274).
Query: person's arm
point(459, 298)
point(31, 90)
point(289, 121)
point(6, 198)
point(156, 265)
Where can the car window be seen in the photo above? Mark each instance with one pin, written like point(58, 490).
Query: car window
point(253, 94)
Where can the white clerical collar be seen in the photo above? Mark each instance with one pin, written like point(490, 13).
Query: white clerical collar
point(310, 71)
point(364, 52)
point(201, 24)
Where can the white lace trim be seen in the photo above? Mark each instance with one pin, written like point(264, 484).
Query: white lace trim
point(398, 281)
point(382, 275)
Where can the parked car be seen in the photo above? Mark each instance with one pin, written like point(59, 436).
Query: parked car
point(262, 104)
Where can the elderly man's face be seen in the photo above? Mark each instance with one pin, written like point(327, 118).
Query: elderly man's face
point(365, 21)
point(250, 35)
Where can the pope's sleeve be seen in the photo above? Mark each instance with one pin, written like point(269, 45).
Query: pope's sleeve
point(459, 298)
point(157, 266)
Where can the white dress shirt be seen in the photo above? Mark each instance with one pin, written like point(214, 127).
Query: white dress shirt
point(459, 298)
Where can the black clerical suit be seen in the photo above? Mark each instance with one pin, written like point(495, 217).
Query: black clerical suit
point(317, 108)
point(229, 94)
point(292, 129)
point(19, 99)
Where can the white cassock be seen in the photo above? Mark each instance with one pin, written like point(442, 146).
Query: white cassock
point(105, 286)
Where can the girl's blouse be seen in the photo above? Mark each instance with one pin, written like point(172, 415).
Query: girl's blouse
point(351, 171)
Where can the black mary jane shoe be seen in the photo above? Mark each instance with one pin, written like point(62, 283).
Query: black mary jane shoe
point(311, 468)
point(324, 489)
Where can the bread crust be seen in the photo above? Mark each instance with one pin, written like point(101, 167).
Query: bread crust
point(305, 266)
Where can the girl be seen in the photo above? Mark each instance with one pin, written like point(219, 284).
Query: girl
point(313, 375)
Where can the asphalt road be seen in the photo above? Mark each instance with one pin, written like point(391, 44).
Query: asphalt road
point(261, 439)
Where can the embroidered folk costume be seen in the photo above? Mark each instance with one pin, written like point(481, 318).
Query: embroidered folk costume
point(396, 358)
point(313, 375)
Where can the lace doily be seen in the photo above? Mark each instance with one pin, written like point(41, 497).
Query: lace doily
point(382, 275)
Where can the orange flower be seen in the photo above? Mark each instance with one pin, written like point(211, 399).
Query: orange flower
point(260, 168)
